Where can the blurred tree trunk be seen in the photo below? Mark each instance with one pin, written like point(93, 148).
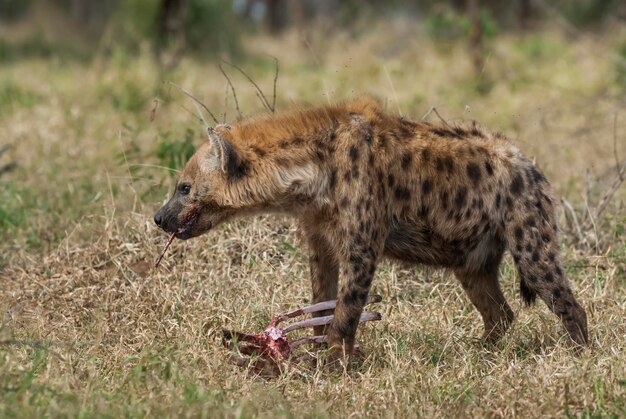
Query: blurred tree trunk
point(170, 31)
point(87, 11)
point(275, 15)
point(525, 13)
point(476, 37)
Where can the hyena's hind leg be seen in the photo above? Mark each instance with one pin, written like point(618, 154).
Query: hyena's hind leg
point(532, 239)
point(483, 289)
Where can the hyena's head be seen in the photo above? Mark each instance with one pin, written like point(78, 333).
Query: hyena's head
point(201, 199)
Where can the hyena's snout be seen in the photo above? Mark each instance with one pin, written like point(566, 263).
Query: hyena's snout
point(167, 216)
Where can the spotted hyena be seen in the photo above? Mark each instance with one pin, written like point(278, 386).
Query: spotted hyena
point(366, 185)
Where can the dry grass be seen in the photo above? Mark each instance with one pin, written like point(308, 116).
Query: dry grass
point(90, 328)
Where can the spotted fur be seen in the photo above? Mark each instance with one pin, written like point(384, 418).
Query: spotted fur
point(366, 185)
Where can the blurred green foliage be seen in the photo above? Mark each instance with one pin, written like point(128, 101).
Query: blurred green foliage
point(174, 152)
point(447, 24)
point(12, 97)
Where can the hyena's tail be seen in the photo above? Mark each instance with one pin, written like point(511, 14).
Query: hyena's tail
point(531, 236)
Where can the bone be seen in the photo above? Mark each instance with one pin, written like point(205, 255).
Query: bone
point(325, 320)
point(325, 305)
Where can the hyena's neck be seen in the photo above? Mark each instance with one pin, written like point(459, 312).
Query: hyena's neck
point(280, 173)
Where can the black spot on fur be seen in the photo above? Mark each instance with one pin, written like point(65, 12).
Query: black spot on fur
point(391, 180)
point(488, 168)
point(297, 141)
point(459, 199)
point(425, 155)
point(407, 158)
point(556, 293)
point(344, 202)
point(473, 171)
point(354, 153)
point(402, 194)
point(444, 164)
point(551, 257)
point(498, 200)
point(519, 234)
point(347, 176)
point(456, 132)
point(535, 256)
point(423, 211)
point(258, 151)
point(332, 182)
point(549, 277)
point(517, 184)
point(427, 186)
point(537, 175)
point(444, 199)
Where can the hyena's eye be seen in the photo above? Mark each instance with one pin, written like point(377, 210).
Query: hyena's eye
point(184, 188)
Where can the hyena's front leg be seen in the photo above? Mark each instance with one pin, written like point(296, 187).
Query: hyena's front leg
point(324, 273)
point(357, 265)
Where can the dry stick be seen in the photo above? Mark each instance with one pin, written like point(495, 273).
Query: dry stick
point(608, 196)
point(167, 246)
point(196, 102)
point(617, 160)
point(225, 104)
point(155, 105)
point(431, 110)
point(569, 207)
point(230, 83)
point(275, 81)
point(264, 101)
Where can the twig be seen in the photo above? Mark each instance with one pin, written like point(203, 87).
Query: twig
point(431, 110)
point(155, 105)
point(196, 103)
point(264, 100)
point(606, 199)
point(567, 205)
point(167, 246)
point(275, 82)
point(393, 90)
point(617, 160)
point(230, 83)
point(225, 104)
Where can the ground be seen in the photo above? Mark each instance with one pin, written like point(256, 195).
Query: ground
point(90, 328)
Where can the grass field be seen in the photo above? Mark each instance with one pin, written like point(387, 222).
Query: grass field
point(90, 328)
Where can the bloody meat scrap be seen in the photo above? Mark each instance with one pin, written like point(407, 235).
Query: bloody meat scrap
point(268, 352)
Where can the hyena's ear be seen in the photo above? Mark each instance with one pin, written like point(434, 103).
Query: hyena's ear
point(218, 145)
point(229, 160)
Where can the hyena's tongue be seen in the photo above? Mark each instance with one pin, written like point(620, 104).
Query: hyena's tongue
point(167, 246)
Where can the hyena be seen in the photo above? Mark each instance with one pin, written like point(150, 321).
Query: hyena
point(366, 185)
